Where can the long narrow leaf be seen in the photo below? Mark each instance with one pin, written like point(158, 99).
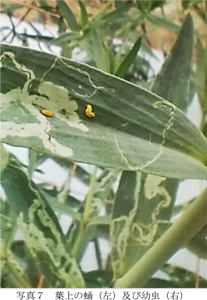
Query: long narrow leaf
point(84, 15)
point(101, 56)
point(201, 76)
point(143, 205)
point(68, 15)
point(133, 129)
point(42, 232)
point(129, 59)
point(66, 38)
point(163, 22)
point(173, 81)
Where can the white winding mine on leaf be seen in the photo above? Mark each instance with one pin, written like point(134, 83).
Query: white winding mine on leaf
point(39, 130)
point(52, 97)
point(29, 73)
point(120, 232)
point(9, 263)
point(63, 266)
point(159, 104)
point(126, 228)
point(86, 74)
point(145, 233)
point(56, 100)
point(96, 88)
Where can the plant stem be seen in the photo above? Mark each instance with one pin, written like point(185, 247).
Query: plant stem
point(192, 220)
point(89, 198)
point(98, 254)
point(85, 217)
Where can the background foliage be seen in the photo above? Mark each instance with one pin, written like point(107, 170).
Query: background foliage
point(140, 140)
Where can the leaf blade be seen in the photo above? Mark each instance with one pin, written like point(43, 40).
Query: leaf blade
point(84, 15)
point(172, 82)
point(129, 59)
point(68, 15)
point(100, 51)
point(157, 131)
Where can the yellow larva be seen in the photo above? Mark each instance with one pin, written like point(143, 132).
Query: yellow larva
point(47, 112)
point(89, 111)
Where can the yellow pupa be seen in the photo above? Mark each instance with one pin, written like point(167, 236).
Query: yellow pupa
point(89, 111)
point(47, 112)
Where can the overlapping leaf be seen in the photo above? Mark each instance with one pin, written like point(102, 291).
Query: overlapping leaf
point(133, 129)
point(143, 204)
point(43, 236)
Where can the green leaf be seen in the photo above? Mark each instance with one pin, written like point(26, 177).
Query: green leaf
point(205, 130)
point(173, 81)
point(159, 283)
point(43, 4)
point(182, 278)
point(185, 3)
point(98, 278)
point(62, 27)
point(15, 184)
point(198, 244)
point(4, 158)
point(177, 209)
point(128, 60)
point(105, 182)
point(184, 229)
point(147, 6)
point(42, 233)
point(162, 140)
point(163, 22)
point(115, 17)
point(141, 212)
point(8, 226)
point(87, 228)
point(66, 38)
point(188, 3)
point(67, 13)
point(201, 76)
point(84, 15)
point(120, 4)
point(143, 205)
point(100, 51)
point(35, 159)
point(58, 206)
point(12, 274)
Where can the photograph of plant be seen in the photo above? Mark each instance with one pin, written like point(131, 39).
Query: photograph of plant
point(103, 140)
